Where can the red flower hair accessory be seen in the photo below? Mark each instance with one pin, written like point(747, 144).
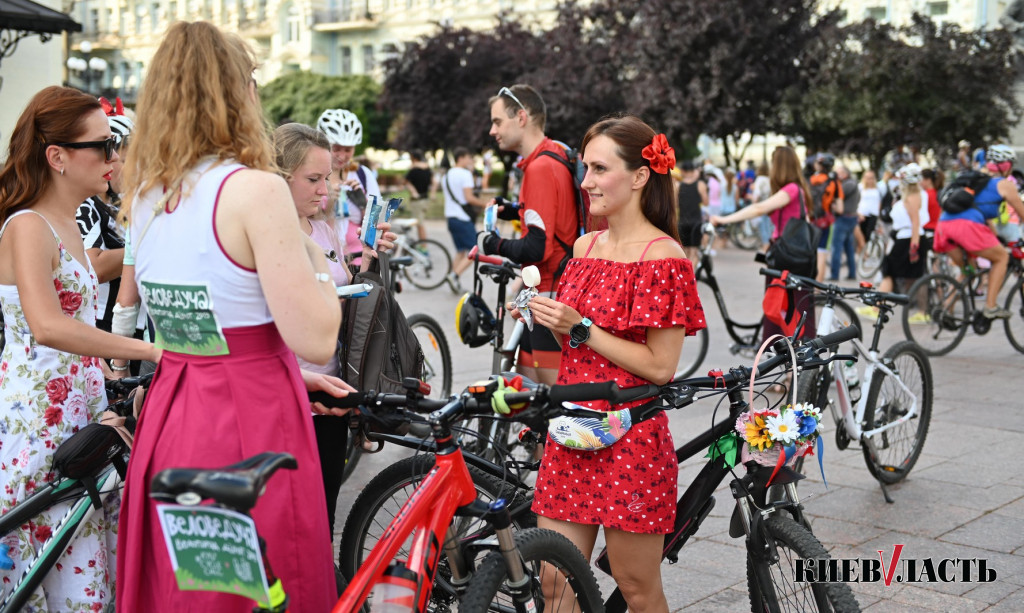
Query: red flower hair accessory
point(661, 157)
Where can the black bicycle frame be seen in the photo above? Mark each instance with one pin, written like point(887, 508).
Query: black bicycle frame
point(706, 276)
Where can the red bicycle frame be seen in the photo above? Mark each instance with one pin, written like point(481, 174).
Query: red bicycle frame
point(429, 511)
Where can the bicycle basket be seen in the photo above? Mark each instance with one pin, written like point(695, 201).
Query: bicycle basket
point(88, 451)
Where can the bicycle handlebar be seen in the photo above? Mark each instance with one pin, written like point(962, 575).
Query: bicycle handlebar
point(831, 288)
point(474, 254)
point(549, 398)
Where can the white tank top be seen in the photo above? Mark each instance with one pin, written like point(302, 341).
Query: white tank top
point(190, 286)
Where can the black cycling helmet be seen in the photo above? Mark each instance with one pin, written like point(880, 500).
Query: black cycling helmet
point(474, 322)
point(827, 161)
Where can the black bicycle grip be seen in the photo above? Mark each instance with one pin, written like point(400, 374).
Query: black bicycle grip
point(607, 390)
point(582, 392)
point(351, 401)
point(771, 273)
point(850, 332)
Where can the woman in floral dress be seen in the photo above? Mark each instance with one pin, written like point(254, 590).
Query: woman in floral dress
point(626, 301)
point(58, 157)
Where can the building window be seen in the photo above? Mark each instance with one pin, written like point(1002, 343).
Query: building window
point(878, 13)
point(140, 12)
point(346, 60)
point(938, 9)
point(294, 25)
point(172, 11)
point(154, 17)
point(368, 63)
point(94, 20)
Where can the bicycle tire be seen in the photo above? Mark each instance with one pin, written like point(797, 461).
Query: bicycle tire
point(690, 359)
point(943, 305)
point(1015, 323)
point(382, 498)
point(432, 271)
point(794, 543)
point(353, 452)
point(899, 447)
point(745, 235)
point(436, 354)
point(539, 549)
point(869, 262)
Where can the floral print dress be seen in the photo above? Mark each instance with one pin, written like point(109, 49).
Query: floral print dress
point(47, 395)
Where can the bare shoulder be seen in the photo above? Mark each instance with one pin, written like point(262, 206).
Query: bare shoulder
point(664, 250)
point(579, 248)
point(248, 182)
point(28, 229)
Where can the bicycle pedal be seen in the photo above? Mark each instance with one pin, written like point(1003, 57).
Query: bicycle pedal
point(842, 438)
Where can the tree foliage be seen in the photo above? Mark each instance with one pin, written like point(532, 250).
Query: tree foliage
point(303, 96)
point(921, 84)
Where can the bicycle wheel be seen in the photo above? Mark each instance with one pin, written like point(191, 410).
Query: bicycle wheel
point(781, 592)
point(431, 263)
point(437, 358)
point(745, 235)
point(353, 452)
point(695, 349)
point(936, 318)
point(898, 447)
point(382, 499)
point(550, 559)
point(869, 262)
point(1015, 323)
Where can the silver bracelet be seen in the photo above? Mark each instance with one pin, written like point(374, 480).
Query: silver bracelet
point(118, 368)
point(323, 277)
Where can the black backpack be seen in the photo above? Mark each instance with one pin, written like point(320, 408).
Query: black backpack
point(573, 162)
point(958, 196)
point(377, 348)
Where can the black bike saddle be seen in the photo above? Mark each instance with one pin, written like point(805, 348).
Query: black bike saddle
point(236, 486)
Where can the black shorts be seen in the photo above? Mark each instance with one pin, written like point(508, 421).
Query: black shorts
point(897, 263)
point(868, 226)
point(539, 349)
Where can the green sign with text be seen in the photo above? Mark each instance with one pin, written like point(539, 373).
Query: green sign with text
point(214, 550)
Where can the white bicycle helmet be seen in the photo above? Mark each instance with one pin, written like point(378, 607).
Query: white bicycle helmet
point(120, 127)
point(964, 144)
point(341, 127)
point(1000, 153)
point(911, 173)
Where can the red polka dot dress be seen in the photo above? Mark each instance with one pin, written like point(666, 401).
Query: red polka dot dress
point(631, 485)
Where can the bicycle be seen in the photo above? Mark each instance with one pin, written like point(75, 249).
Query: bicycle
point(942, 308)
point(891, 421)
point(869, 260)
point(746, 234)
point(445, 493)
point(785, 527)
point(745, 336)
point(88, 493)
point(431, 261)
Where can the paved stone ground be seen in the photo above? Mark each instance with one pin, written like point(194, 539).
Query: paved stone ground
point(962, 500)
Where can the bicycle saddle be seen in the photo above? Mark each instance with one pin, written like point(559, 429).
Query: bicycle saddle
point(400, 262)
point(236, 486)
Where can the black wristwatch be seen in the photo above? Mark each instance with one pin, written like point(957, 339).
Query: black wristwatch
point(580, 333)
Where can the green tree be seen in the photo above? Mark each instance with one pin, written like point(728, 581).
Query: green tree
point(303, 96)
point(921, 84)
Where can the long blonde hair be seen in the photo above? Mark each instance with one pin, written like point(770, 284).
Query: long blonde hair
point(196, 102)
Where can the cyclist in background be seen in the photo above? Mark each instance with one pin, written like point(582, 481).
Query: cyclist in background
point(420, 183)
point(350, 182)
point(233, 288)
point(970, 231)
point(60, 153)
point(547, 211)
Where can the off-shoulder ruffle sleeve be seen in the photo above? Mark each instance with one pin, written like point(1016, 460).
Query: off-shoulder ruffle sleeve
point(625, 295)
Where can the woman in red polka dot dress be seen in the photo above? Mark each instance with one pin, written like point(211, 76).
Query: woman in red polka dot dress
point(625, 302)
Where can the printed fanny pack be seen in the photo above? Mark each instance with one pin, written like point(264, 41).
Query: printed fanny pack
point(594, 434)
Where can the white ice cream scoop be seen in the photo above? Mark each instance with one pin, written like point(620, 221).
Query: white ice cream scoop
point(531, 276)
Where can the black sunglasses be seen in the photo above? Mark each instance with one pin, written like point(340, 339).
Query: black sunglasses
point(108, 146)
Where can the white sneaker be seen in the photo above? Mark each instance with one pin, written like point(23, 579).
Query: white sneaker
point(453, 282)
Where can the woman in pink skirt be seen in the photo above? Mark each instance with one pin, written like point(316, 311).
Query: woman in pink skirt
point(235, 292)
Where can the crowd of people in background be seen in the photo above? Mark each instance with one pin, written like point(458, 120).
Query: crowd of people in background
point(260, 228)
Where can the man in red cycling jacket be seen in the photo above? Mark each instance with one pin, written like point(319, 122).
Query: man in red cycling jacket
point(547, 211)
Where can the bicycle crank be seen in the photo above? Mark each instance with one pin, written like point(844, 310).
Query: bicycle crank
point(981, 324)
